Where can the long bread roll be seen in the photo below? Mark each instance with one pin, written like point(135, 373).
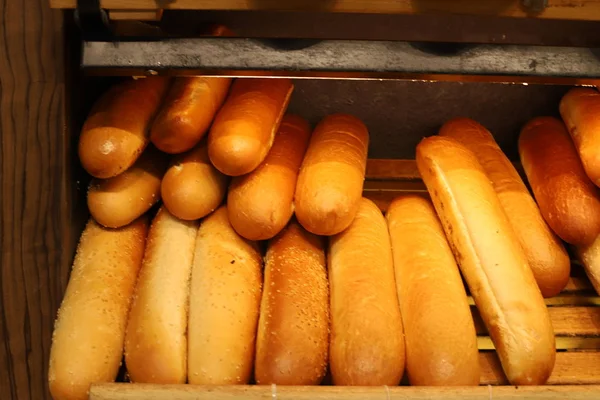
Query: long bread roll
point(260, 204)
point(441, 342)
point(580, 110)
point(192, 187)
point(87, 344)
point(491, 259)
point(225, 297)
point(545, 253)
point(367, 339)
point(590, 258)
point(188, 111)
point(156, 341)
point(115, 202)
point(568, 200)
point(293, 330)
point(116, 131)
point(244, 129)
point(331, 178)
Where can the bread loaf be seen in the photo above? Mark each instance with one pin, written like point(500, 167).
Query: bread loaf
point(293, 330)
point(188, 111)
point(116, 132)
point(580, 110)
point(441, 343)
point(367, 338)
point(568, 200)
point(115, 202)
point(87, 344)
point(331, 178)
point(545, 253)
point(589, 256)
point(225, 297)
point(244, 129)
point(260, 204)
point(491, 259)
point(192, 187)
point(156, 340)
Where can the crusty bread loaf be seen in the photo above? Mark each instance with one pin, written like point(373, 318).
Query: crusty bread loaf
point(87, 344)
point(244, 129)
point(568, 200)
point(491, 259)
point(156, 341)
point(116, 201)
point(260, 204)
point(225, 296)
point(441, 342)
point(580, 110)
point(192, 187)
point(116, 132)
point(545, 253)
point(187, 112)
point(293, 330)
point(590, 258)
point(367, 338)
point(331, 178)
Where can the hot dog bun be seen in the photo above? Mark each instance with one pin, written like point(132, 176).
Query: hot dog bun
point(192, 187)
point(568, 200)
point(491, 259)
point(243, 130)
point(367, 339)
point(116, 132)
point(331, 178)
point(188, 111)
point(87, 344)
point(225, 296)
point(156, 343)
point(260, 204)
point(545, 253)
point(293, 330)
point(441, 342)
point(117, 201)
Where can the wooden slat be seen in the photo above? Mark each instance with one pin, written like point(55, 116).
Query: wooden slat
point(136, 15)
point(392, 169)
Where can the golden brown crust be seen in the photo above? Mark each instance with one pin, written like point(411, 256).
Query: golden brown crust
point(545, 253)
point(156, 341)
point(441, 342)
point(244, 129)
point(590, 258)
point(491, 259)
point(332, 174)
point(87, 344)
point(568, 200)
point(367, 339)
point(192, 187)
point(187, 112)
point(116, 132)
point(117, 201)
point(293, 331)
point(260, 204)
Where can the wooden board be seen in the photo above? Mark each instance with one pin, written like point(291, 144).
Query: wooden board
point(557, 9)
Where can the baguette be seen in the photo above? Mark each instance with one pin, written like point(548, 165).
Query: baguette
point(156, 342)
point(244, 129)
point(117, 201)
point(225, 297)
point(545, 253)
point(192, 187)
point(187, 113)
point(367, 339)
point(590, 259)
point(293, 330)
point(580, 110)
point(331, 178)
point(260, 204)
point(568, 200)
point(116, 132)
point(441, 342)
point(491, 259)
point(87, 344)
